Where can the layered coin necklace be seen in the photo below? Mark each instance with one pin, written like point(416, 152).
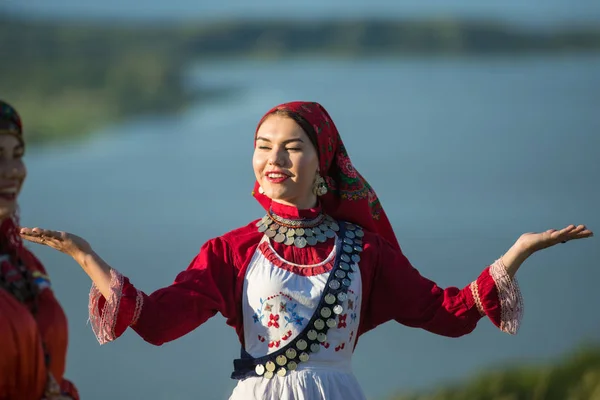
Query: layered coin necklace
point(298, 232)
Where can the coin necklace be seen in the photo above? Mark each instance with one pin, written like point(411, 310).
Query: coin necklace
point(298, 232)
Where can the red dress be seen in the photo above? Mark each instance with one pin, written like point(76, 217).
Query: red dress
point(392, 290)
point(27, 339)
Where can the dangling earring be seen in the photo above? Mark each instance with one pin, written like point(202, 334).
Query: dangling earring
point(260, 190)
point(320, 186)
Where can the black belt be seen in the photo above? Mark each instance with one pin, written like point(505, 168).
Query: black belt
point(349, 245)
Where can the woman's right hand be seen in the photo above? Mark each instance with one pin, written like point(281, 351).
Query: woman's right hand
point(65, 242)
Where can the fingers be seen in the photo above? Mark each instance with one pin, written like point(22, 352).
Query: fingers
point(42, 236)
point(574, 232)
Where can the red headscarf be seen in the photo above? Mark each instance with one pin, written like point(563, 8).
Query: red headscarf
point(349, 196)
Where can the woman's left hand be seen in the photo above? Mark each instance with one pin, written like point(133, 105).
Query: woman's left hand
point(532, 241)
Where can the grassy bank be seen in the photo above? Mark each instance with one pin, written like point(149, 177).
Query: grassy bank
point(575, 377)
point(68, 78)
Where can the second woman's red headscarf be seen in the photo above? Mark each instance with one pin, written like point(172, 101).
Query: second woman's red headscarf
point(349, 196)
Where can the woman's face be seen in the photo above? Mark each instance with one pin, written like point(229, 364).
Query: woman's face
point(12, 173)
point(285, 162)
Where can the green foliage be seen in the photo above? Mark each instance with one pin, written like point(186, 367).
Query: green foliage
point(67, 77)
point(574, 378)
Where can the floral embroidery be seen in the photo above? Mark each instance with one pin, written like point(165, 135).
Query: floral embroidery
point(273, 321)
point(341, 346)
point(274, 315)
point(342, 321)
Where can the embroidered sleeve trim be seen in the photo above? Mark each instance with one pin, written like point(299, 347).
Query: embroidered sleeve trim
point(139, 303)
point(103, 321)
point(509, 294)
point(475, 291)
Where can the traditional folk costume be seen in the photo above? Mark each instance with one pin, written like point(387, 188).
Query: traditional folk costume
point(33, 326)
point(301, 286)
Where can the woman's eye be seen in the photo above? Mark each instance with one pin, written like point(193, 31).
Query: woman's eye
point(264, 148)
point(293, 149)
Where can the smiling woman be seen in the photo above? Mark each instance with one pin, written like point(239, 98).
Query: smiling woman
point(302, 284)
point(285, 162)
point(33, 327)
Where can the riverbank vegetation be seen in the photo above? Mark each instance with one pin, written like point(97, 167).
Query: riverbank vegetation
point(68, 77)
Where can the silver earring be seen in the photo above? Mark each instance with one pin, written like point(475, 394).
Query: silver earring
point(260, 190)
point(320, 186)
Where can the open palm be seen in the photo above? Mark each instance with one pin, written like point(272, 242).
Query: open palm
point(65, 242)
point(533, 241)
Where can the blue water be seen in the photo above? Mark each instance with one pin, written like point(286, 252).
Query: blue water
point(466, 155)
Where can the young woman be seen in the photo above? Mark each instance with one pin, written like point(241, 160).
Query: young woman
point(33, 327)
point(303, 283)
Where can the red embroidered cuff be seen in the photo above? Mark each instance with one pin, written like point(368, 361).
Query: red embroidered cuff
point(111, 317)
point(499, 297)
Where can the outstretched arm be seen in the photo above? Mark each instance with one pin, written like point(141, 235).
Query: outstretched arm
point(399, 292)
point(198, 293)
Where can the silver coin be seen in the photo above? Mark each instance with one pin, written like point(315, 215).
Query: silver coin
point(355, 258)
point(270, 366)
point(291, 232)
point(321, 337)
point(321, 238)
point(340, 274)
point(279, 238)
point(259, 223)
point(347, 249)
point(345, 258)
point(268, 375)
point(273, 227)
point(292, 365)
point(289, 240)
point(346, 282)
point(312, 334)
point(304, 357)
point(338, 309)
point(262, 228)
point(311, 240)
point(259, 369)
point(290, 353)
point(360, 233)
point(301, 344)
point(283, 229)
point(331, 323)
point(335, 285)
point(325, 313)
point(270, 233)
point(319, 324)
point(358, 248)
point(350, 227)
point(315, 347)
point(329, 298)
point(323, 227)
point(342, 296)
point(300, 242)
point(350, 234)
point(281, 360)
point(299, 231)
point(317, 231)
point(334, 226)
point(330, 234)
point(281, 371)
point(308, 232)
point(350, 275)
point(344, 266)
point(348, 241)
